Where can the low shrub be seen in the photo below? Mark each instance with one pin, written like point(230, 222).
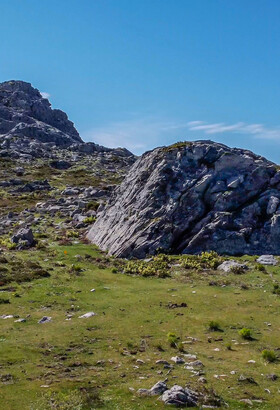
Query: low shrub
point(4, 301)
point(214, 326)
point(245, 333)
point(269, 355)
point(237, 270)
point(172, 339)
point(276, 289)
point(158, 266)
point(260, 267)
point(206, 260)
point(89, 220)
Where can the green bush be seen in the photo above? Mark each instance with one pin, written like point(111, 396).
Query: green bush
point(206, 260)
point(269, 355)
point(89, 220)
point(72, 234)
point(172, 339)
point(214, 326)
point(245, 333)
point(158, 266)
point(260, 267)
point(76, 268)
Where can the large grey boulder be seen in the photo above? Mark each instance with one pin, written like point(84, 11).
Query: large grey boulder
point(192, 197)
point(24, 236)
point(180, 397)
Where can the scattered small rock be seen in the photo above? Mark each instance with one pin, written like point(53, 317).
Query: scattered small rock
point(45, 319)
point(87, 315)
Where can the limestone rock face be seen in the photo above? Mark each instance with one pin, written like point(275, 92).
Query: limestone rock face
point(193, 197)
point(25, 113)
point(30, 128)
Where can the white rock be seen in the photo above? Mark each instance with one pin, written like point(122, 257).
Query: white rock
point(226, 266)
point(177, 360)
point(87, 315)
point(267, 260)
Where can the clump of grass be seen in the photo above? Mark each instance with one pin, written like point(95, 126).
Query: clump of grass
point(214, 326)
point(246, 333)
point(72, 234)
point(172, 339)
point(93, 205)
point(260, 267)
point(89, 220)
point(276, 289)
point(181, 347)
point(269, 355)
point(228, 346)
point(159, 347)
point(4, 301)
point(237, 270)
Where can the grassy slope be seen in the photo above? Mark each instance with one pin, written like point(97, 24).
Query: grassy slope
point(131, 317)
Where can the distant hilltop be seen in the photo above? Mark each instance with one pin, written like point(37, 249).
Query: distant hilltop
point(29, 126)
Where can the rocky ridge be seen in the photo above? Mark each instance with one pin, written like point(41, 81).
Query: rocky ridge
point(30, 128)
point(45, 167)
point(192, 197)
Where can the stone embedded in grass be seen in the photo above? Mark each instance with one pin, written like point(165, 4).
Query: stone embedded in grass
point(179, 396)
point(177, 360)
point(21, 320)
point(245, 379)
point(6, 317)
point(159, 388)
point(196, 363)
point(45, 319)
point(227, 266)
point(190, 356)
point(165, 362)
point(267, 260)
point(87, 315)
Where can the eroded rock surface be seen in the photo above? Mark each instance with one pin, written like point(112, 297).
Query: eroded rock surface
point(193, 197)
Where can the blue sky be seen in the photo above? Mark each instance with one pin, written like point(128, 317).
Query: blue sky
point(144, 73)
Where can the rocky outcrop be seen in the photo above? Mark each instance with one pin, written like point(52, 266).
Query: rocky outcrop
point(24, 112)
point(193, 197)
point(30, 128)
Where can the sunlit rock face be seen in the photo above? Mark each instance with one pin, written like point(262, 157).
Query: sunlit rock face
point(192, 197)
point(24, 112)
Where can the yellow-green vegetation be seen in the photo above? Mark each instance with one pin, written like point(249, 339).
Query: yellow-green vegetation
point(269, 355)
point(75, 363)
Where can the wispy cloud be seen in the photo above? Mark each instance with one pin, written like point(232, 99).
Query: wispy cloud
point(139, 134)
point(45, 95)
point(136, 134)
point(257, 130)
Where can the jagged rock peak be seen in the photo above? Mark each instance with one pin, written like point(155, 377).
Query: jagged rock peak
point(191, 197)
point(24, 112)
